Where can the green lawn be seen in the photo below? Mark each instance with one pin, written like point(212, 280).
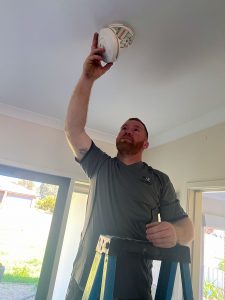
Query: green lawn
point(24, 233)
point(19, 279)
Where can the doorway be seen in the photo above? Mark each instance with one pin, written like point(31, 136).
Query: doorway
point(206, 207)
point(213, 211)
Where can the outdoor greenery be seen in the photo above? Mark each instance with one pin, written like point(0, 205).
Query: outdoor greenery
point(211, 292)
point(20, 279)
point(25, 272)
point(48, 193)
point(26, 183)
point(19, 266)
point(47, 203)
point(21, 271)
point(48, 189)
point(221, 265)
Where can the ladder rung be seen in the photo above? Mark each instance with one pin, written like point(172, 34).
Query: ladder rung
point(113, 245)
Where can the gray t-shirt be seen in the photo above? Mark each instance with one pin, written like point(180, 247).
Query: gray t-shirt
point(122, 200)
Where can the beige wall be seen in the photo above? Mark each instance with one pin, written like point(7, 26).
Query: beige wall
point(197, 157)
point(39, 148)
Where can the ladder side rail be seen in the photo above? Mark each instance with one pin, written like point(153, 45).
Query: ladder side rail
point(93, 285)
point(166, 280)
point(186, 281)
point(108, 277)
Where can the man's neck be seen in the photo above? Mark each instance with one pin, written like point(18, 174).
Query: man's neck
point(129, 159)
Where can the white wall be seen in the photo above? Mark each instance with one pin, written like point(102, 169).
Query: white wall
point(197, 157)
point(38, 148)
point(70, 244)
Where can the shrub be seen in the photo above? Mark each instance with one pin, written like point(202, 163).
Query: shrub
point(21, 271)
point(221, 265)
point(47, 203)
point(211, 292)
point(34, 262)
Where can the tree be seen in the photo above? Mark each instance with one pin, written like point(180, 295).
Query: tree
point(47, 190)
point(26, 183)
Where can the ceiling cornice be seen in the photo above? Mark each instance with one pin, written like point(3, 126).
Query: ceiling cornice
point(29, 116)
point(206, 121)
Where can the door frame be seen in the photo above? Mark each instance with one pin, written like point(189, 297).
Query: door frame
point(56, 233)
point(194, 210)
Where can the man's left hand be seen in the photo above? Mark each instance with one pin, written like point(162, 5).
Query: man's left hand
point(161, 234)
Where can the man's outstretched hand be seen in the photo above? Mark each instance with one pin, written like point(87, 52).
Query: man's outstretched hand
point(93, 68)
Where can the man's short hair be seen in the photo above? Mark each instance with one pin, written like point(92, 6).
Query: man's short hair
point(137, 119)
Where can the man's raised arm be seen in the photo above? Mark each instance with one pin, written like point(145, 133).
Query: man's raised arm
point(76, 118)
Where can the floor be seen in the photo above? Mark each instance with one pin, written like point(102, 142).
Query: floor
point(16, 291)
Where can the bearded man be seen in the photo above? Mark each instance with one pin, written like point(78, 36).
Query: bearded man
point(126, 195)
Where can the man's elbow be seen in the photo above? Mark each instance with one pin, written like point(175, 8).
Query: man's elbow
point(71, 132)
point(185, 231)
point(190, 229)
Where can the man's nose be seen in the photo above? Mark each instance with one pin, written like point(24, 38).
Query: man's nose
point(128, 132)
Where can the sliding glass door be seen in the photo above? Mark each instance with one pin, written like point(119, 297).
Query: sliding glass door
point(32, 206)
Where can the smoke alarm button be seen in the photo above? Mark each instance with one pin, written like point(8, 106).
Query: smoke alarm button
point(107, 39)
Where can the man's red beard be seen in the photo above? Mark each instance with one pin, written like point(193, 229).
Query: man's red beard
point(128, 146)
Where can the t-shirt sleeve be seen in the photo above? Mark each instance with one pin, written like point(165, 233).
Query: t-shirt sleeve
point(170, 208)
point(92, 160)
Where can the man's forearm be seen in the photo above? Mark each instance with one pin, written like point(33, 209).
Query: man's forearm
point(184, 230)
point(76, 118)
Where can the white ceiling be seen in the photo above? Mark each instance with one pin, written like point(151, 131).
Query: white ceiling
point(172, 76)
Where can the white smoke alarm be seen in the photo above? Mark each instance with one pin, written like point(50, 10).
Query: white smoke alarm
point(114, 38)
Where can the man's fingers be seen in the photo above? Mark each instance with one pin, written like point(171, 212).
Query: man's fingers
point(161, 234)
point(95, 57)
point(158, 226)
point(153, 224)
point(97, 51)
point(162, 239)
point(93, 67)
point(107, 67)
point(94, 41)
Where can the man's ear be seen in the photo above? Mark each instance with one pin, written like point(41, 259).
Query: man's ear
point(146, 145)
